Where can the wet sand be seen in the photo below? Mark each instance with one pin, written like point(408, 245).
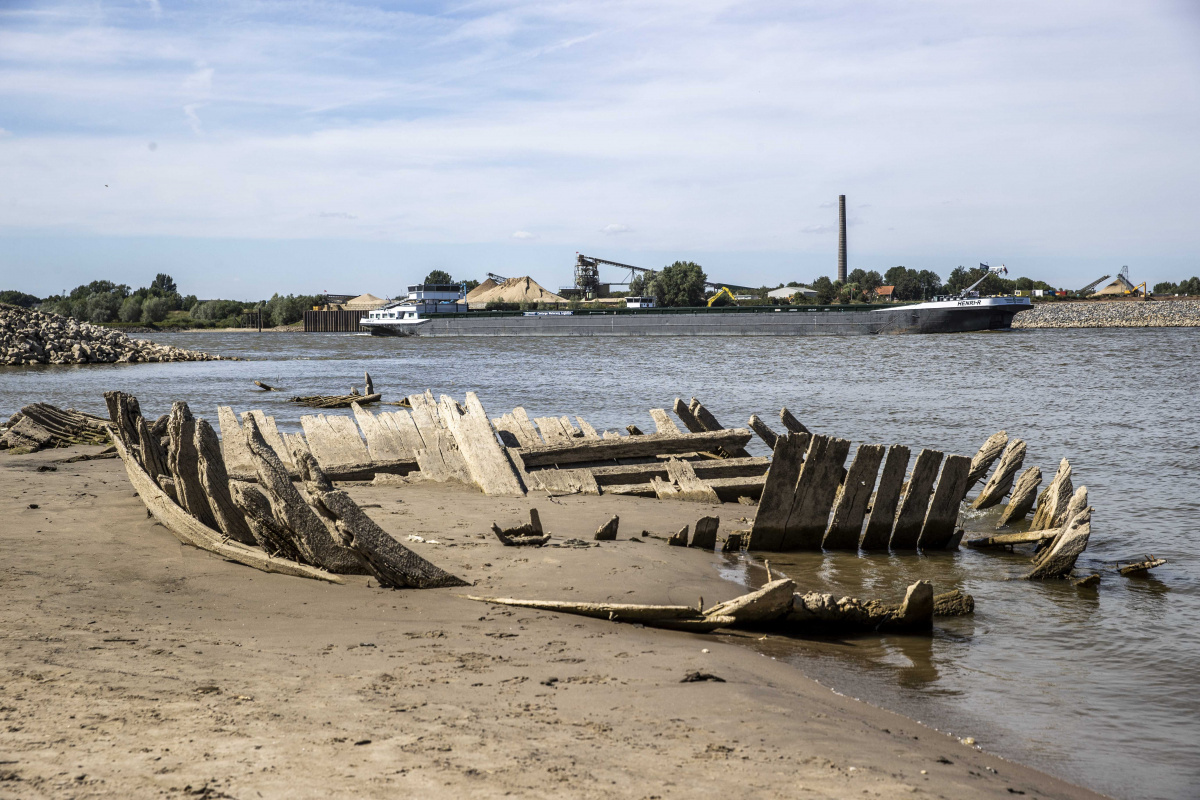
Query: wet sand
point(136, 666)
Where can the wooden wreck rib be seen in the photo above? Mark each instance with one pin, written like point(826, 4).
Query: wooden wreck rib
point(336, 401)
point(648, 445)
point(189, 530)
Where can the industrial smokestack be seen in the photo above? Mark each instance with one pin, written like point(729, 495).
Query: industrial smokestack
point(842, 238)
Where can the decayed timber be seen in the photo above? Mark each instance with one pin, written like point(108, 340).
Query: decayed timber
point(816, 489)
point(1052, 503)
point(711, 423)
point(233, 443)
point(683, 484)
point(310, 535)
point(392, 564)
point(1009, 539)
point(384, 441)
point(791, 423)
point(733, 490)
point(707, 469)
point(583, 450)
point(588, 431)
point(527, 432)
point(617, 612)
point(552, 430)
point(663, 423)
point(771, 602)
point(268, 533)
point(369, 385)
point(855, 493)
point(1059, 560)
point(334, 440)
point(528, 535)
point(153, 457)
point(215, 482)
point(189, 530)
point(265, 387)
point(825, 612)
point(953, 604)
point(987, 454)
point(1001, 481)
point(401, 423)
point(775, 504)
point(123, 410)
point(913, 506)
point(763, 430)
point(679, 538)
point(882, 517)
point(184, 465)
point(735, 542)
point(686, 416)
point(336, 401)
point(941, 519)
point(1024, 493)
point(487, 463)
point(439, 460)
point(1075, 505)
point(1140, 567)
point(608, 531)
point(570, 481)
point(271, 435)
point(705, 535)
point(41, 425)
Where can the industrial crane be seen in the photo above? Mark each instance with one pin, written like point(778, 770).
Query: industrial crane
point(587, 274)
point(1000, 270)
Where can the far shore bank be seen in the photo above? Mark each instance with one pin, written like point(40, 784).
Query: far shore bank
point(1170, 313)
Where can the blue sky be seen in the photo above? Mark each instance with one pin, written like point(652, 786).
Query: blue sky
point(254, 147)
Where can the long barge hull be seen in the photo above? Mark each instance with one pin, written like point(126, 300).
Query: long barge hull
point(797, 322)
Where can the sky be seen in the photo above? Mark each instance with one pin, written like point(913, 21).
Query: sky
point(248, 148)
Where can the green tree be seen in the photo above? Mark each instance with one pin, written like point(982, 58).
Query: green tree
point(155, 309)
point(825, 290)
point(637, 286)
point(679, 285)
point(163, 285)
point(131, 309)
point(870, 281)
point(438, 276)
point(15, 298)
point(103, 306)
point(929, 282)
point(856, 276)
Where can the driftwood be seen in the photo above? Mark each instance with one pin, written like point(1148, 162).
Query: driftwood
point(776, 502)
point(987, 454)
point(1140, 567)
point(643, 446)
point(265, 387)
point(392, 564)
point(679, 538)
point(913, 506)
point(855, 493)
point(1052, 503)
point(683, 484)
point(882, 517)
point(42, 425)
point(767, 604)
point(310, 534)
point(705, 535)
point(735, 542)
point(1001, 481)
point(764, 432)
point(941, 519)
point(791, 423)
point(189, 530)
point(815, 612)
point(183, 461)
point(336, 401)
point(1024, 493)
point(215, 482)
point(528, 535)
point(1009, 539)
point(608, 531)
point(369, 388)
point(268, 533)
point(617, 612)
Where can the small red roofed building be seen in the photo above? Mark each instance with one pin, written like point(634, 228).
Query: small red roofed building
point(885, 293)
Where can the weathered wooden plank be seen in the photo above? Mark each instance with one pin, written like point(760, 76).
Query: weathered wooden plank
point(610, 435)
point(816, 489)
point(687, 417)
point(270, 434)
point(334, 441)
point(850, 508)
point(682, 484)
point(215, 482)
point(384, 442)
point(941, 519)
point(440, 460)
point(731, 490)
point(1023, 495)
point(882, 516)
point(570, 481)
point(633, 447)
point(914, 504)
point(711, 423)
point(183, 462)
point(402, 423)
point(1001, 481)
point(764, 432)
point(1008, 539)
point(706, 469)
point(1052, 503)
point(569, 427)
point(152, 455)
point(529, 435)
point(486, 461)
point(233, 443)
point(552, 431)
point(588, 431)
point(778, 491)
point(988, 453)
point(608, 531)
point(663, 423)
point(1059, 560)
point(705, 534)
point(791, 423)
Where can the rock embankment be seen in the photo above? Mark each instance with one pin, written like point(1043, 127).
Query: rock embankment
point(1112, 314)
point(34, 337)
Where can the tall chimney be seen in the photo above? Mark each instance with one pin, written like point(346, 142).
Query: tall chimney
point(842, 238)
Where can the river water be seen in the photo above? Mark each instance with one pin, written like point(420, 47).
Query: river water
point(1101, 687)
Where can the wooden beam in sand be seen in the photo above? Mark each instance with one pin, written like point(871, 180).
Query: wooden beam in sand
point(682, 484)
point(764, 432)
point(705, 534)
point(1002, 479)
point(487, 463)
point(334, 440)
point(580, 451)
point(439, 460)
point(384, 442)
point(914, 504)
point(1053, 501)
point(988, 453)
point(850, 508)
point(816, 490)
point(780, 487)
point(184, 464)
point(1024, 492)
point(882, 517)
point(215, 482)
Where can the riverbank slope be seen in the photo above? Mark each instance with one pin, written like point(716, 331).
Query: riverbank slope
point(1174, 313)
point(136, 666)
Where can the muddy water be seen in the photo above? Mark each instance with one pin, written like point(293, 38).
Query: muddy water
point(1101, 687)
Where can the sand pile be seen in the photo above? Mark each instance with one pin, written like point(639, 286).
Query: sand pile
point(513, 290)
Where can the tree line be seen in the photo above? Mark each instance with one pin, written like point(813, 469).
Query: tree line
point(1189, 286)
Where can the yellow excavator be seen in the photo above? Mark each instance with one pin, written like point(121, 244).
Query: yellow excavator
point(1133, 291)
point(723, 291)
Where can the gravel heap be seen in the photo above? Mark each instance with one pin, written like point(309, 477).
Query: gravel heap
point(1112, 314)
point(34, 337)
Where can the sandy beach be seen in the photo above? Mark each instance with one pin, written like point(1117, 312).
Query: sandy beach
point(136, 666)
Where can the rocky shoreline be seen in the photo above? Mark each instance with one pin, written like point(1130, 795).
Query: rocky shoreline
point(1112, 314)
point(34, 337)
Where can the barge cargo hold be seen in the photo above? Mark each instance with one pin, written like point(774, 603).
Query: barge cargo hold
point(958, 315)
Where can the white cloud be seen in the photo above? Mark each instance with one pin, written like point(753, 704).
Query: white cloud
point(614, 229)
point(4, 132)
point(336, 215)
point(524, 235)
point(193, 118)
point(817, 229)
